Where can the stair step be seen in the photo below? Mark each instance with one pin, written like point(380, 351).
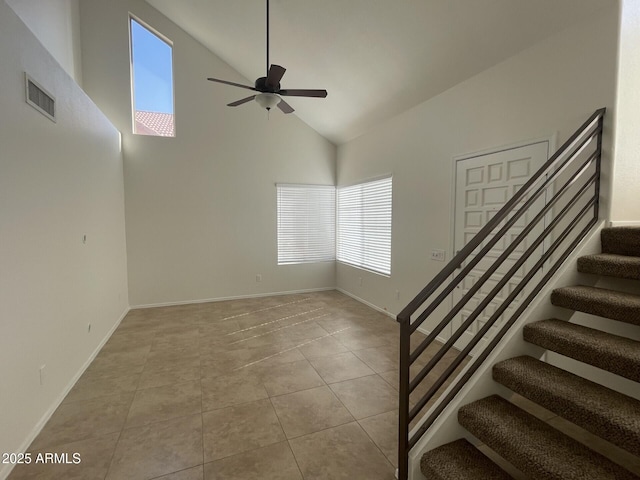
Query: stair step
point(604, 412)
point(610, 265)
point(532, 446)
point(609, 352)
point(624, 307)
point(621, 240)
point(460, 460)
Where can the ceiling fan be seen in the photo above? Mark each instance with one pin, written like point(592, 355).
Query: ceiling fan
point(268, 88)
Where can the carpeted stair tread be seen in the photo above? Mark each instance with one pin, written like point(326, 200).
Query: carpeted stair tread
point(606, 413)
point(460, 460)
point(624, 307)
point(621, 240)
point(610, 265)
point(532, 446)
point(609, 352)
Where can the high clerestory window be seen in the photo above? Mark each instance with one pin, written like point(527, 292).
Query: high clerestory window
point(151, 81)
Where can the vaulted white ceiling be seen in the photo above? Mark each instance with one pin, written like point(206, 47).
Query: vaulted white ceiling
point(376, 58)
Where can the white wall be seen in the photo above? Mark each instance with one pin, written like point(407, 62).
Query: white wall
point(56, 23)
point(58, 182)
point(201, 207)
point(552, 87)
point(626, 174)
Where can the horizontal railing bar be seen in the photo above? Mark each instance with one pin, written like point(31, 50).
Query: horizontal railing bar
point(414, 305)
point(478, 257)
point(496, 264)
point(503, 306)
point(442, 404)
point(489, 297)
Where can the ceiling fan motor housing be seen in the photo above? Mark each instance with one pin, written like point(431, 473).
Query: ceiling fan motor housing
point(261, 85)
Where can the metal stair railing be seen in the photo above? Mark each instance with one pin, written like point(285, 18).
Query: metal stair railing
point(565, 210)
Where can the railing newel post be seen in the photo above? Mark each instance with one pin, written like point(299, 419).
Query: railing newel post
point(403, 427)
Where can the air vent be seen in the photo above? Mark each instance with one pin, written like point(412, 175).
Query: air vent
point(40, 99)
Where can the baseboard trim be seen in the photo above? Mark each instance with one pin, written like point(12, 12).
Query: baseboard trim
point(626, 223)
point(5, 472)
point(235, 297)
point(365, 302)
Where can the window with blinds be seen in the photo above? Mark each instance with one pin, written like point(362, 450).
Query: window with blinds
point(364, 225)
point(306, 223)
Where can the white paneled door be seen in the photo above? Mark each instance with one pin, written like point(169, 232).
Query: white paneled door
point(484, 183)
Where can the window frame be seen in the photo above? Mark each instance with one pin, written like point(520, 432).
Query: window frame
point(363, 264)
point(310, 257)
point(169, 42)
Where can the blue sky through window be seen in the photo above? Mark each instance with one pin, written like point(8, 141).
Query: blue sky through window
point(152, 71)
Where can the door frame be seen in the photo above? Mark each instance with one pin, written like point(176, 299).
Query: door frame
point(552, 142)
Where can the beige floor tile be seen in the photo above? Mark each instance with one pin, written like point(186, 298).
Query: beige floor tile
point(344, 452)
point(223, 362)
point(130, 357)
point(158, 449)
point(176, 341)
point(366, 396)
point(334, 324)
point(170, 358)
point(157, 375)
point(232, 389)
point(289, 377)
point(383, 430)
point(163, 403)
point(84, 419)
point(195, 473)
point(94, 456)
point(304, 332)
point(340, 367)
point(106, 368)
point(309, 411)
point(359, 338)
point(122, 340)
point(217, 329)
point(322, 347)
point(93, 386)
point(380, 359)
point(391, 377)
point(275, 462)
point(233, 430)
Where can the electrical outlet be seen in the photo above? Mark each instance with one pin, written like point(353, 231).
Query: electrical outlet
point(258, 278)
point(41, 373)
point(438, 255)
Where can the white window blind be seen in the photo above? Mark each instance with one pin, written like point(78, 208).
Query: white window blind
point(364, 225)
point(306, 223)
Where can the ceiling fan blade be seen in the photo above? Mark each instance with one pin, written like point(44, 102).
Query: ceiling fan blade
point(275, 75)
point(285, 107)
point(304, 93)
point(240, 102)
point(232, 84)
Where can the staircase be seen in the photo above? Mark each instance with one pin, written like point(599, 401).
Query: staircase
point(526, 442)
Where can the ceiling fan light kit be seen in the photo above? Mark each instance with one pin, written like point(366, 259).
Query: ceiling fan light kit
point(268, 100)
point(268, 87)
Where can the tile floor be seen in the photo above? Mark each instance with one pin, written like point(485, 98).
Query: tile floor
point(288, 387)
point(284, 387)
